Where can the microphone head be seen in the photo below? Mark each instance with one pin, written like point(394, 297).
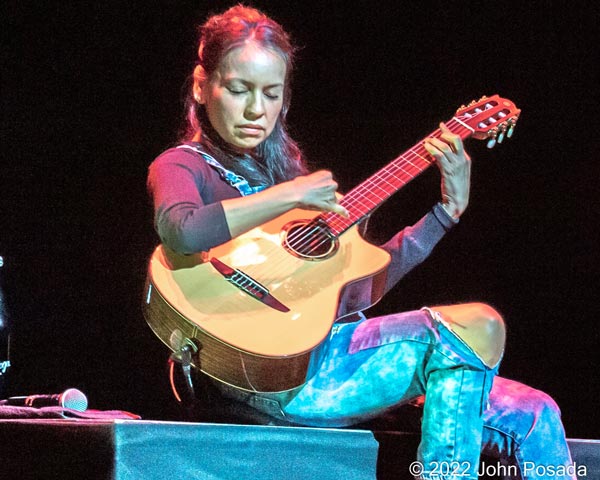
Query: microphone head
point(74, 399)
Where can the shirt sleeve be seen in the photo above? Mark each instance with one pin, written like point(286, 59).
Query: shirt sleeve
point(183, 220)
point(413, 245)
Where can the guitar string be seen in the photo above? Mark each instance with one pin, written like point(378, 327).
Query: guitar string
point(395, 164)
point(391, 170)
point(407, 171)
point(311, 238)
point(333, 220)
point(364, 192)
point(363, 201)
point(412, 154)
point(316, 234)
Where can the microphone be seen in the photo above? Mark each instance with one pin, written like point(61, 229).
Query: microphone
point(71, 398)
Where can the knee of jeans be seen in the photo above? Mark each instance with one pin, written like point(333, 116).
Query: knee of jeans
point(477, 317)
point(478, 325)
point(493, 323)
point(492, 327)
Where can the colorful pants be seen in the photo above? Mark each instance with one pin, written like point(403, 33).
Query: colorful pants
point(374, 365)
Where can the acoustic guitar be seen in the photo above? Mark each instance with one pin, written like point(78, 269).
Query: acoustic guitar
point(258, 310)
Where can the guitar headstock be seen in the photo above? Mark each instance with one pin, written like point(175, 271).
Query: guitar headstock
point(490, 118)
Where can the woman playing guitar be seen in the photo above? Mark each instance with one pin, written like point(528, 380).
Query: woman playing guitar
point(238, 169)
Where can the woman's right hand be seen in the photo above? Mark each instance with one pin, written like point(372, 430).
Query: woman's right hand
point(317, 191)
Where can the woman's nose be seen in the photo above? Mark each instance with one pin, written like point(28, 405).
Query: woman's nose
point(256, 106)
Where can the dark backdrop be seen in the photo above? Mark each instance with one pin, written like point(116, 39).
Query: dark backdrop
point(91, 94)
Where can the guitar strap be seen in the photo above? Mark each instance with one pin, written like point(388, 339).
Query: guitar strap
point(236, 181)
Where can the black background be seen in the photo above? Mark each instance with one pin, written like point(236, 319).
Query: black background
point(91, 93)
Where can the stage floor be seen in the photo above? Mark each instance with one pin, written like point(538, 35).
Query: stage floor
point(141, 449)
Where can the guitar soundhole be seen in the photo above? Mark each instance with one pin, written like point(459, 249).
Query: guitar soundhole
point(309, 239)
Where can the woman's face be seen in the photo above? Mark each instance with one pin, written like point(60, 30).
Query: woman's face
point(244, 96)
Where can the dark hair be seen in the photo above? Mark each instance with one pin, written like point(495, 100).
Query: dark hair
point(278, 157)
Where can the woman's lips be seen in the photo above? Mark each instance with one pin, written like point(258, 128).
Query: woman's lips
point(251, 129)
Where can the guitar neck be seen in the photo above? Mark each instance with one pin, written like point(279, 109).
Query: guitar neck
point(363, 199)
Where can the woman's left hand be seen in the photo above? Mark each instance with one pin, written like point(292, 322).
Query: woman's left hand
point(455, 166)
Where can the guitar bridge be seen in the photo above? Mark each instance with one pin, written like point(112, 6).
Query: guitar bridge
point(248, 285)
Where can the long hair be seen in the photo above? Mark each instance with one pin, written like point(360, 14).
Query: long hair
point(278, 157)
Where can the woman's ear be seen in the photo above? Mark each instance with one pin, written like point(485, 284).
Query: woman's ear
point(199, 81)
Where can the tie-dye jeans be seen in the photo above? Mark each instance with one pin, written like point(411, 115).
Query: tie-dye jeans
point(376, 364)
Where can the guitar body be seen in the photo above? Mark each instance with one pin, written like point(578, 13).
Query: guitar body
point(242, 341)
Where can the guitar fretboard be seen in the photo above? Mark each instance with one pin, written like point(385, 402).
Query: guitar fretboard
point(370, 194)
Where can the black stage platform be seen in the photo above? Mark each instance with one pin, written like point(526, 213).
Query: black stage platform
point(141, 449)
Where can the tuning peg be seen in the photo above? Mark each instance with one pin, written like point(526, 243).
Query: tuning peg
point(492, 141)
point(511, 129)
point(501, 133)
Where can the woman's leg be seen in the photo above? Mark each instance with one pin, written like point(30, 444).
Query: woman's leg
point(380, 363)
point(522, 427)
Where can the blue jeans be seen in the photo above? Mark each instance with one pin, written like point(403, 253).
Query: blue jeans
point(374, 365)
